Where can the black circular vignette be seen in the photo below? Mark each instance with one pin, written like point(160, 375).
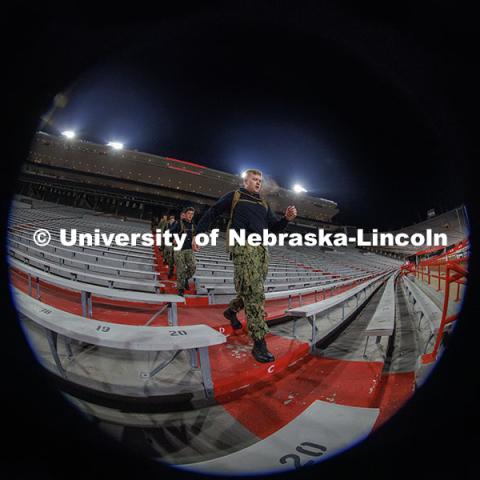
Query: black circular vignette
point(434, 433)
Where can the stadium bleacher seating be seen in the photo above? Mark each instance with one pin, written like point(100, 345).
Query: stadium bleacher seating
point(311, 311)
point(125, 332)
point(196, 338)
point(382, 323)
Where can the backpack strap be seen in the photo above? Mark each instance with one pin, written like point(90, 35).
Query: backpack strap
point(186, 230)
point(235, 200)
point(255, 200)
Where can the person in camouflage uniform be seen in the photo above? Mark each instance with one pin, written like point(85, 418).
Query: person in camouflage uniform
point(250, 272)
point(250, 212)
point(162, 224)
point(168, 251)
point(185, 260)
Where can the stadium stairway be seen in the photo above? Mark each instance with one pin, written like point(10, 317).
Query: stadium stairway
point(267, 399)
point(264, 400)
point(234, 371)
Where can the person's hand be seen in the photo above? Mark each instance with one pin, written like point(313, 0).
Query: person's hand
point(195, 247)
point(290, 213)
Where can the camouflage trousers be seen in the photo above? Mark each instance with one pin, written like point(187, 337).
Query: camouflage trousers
point(186, 265)
point(250, 271)
point(168, 255)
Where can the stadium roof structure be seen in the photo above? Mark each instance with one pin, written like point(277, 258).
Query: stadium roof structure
point(454, 224)
point(101, 167)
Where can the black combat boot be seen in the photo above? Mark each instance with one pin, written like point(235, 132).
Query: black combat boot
point(229, 314)
point(181, 292)
point(261, 353)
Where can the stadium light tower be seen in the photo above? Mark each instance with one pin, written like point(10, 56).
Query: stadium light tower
point(115, 145)
point(69, 134)
point(298, 188)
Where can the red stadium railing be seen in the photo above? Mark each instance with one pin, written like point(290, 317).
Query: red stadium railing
point(445, 270)
point(454, 273)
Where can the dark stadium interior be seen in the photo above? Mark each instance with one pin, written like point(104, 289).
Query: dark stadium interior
point(366, 107)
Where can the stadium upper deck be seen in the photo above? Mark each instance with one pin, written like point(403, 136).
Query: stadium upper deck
point(454, 224)
point(101, 167)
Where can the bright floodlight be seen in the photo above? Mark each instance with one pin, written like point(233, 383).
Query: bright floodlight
point(244, 174)
point(298, 188)
point(69, 134)
point(115, 145)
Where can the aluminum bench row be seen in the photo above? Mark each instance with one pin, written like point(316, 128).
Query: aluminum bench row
point(88, 226)
point(114, 254)
point(313, 310)
point(287, 290)
point(425, 307)
point(87, 290)
point(85, 275)
point(55, 237)
point(82, 262)
point(382, 323)
point(195, 338)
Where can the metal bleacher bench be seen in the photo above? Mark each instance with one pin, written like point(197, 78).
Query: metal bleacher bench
point(212, 271)
point(82, 252)
point(311, 311)
point(426, 307)
point(194, 338)
point(88, 274)
point(382, 323)
point(229, 289)
point(270, 282)
point(113, 250)
point(87, 290)
point(331, 287)
point(289, 290)
point(89, 265)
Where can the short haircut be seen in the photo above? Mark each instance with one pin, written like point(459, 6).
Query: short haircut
point(253, 171)
point(188, 209)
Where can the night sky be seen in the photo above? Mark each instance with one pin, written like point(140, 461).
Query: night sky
point(358, 105)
